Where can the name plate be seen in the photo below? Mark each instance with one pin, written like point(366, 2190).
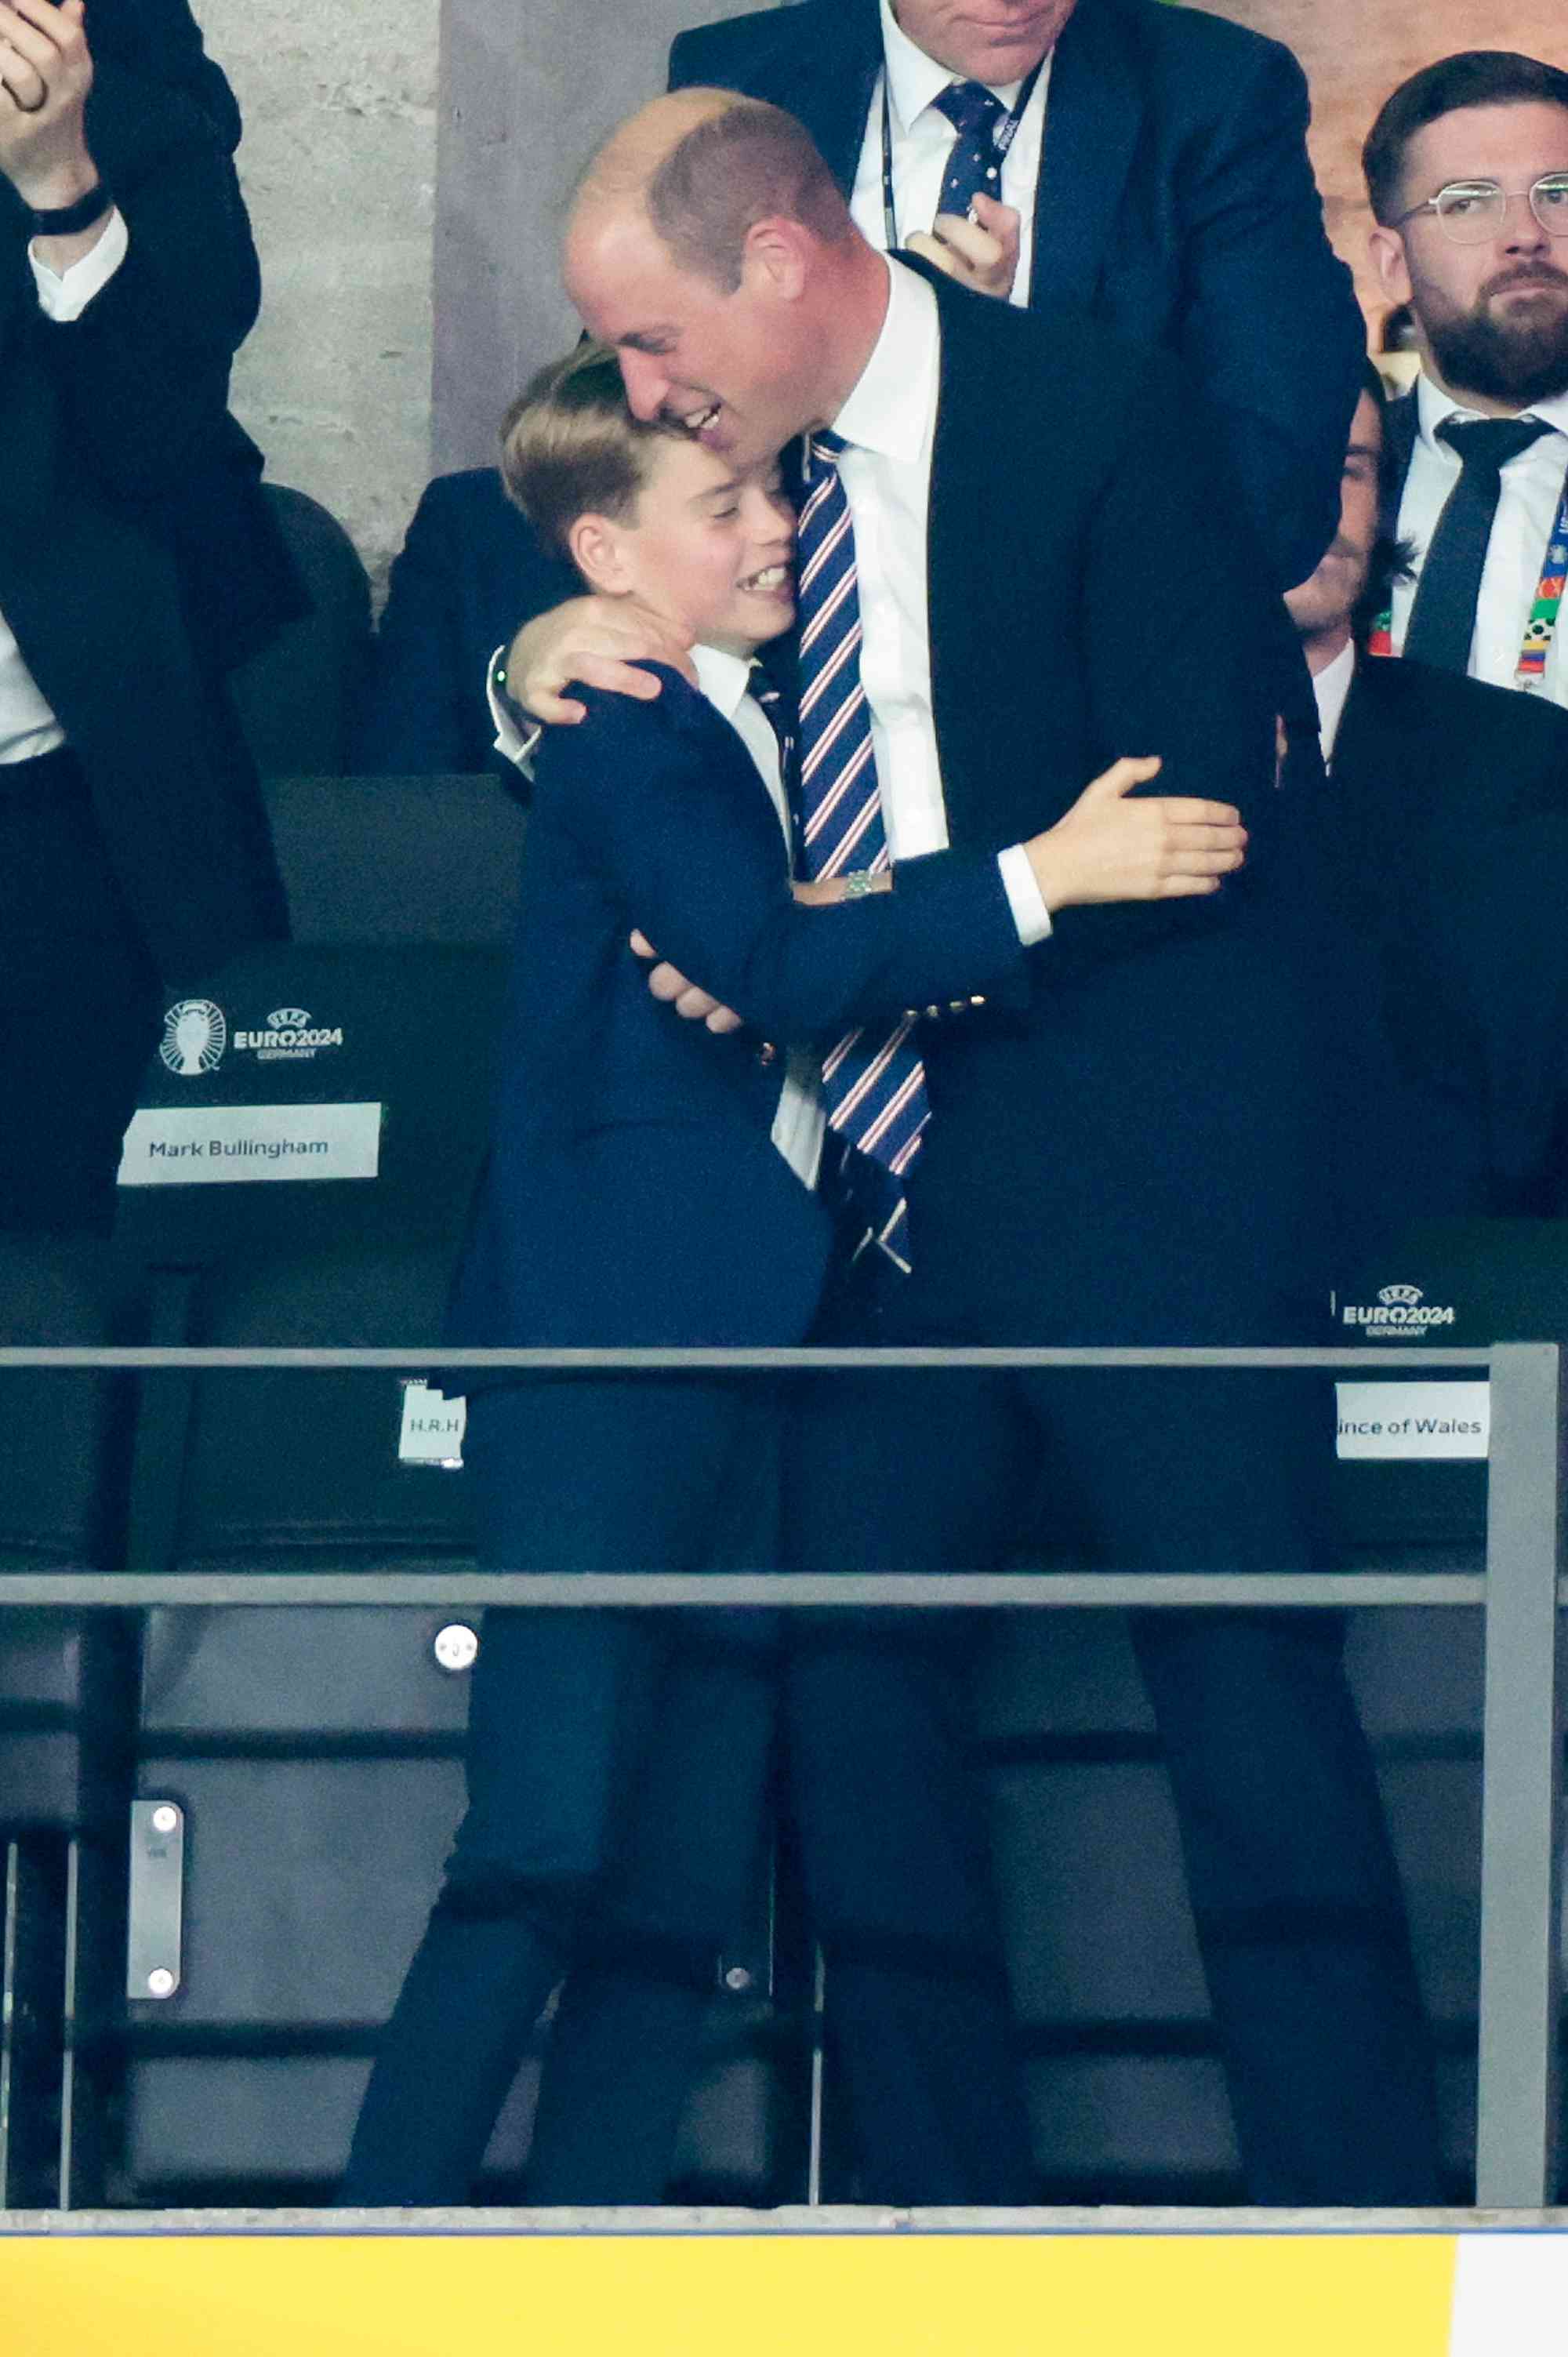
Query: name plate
point(1384, 1420)
point(433, 1426)
point(189, 1145)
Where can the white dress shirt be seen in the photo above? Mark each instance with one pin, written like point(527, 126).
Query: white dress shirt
point(1527, 509)
point(923, 140)
point(1331, 685)
point(27, 727)
point(800, 1122)
point(889, 421)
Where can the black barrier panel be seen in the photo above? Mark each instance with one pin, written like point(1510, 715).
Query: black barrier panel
point(313, 1762)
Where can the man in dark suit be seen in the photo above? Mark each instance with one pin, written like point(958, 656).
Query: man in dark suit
point(138, 565)
point(1467, 169)
point(1444, 834)
point(611, 1121)
point(1129, 1161)
point(1175, 200)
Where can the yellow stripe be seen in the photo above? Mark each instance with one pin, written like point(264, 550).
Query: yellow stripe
point(772, 2296)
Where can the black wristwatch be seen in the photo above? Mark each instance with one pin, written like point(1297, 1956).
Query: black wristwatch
point(66, 220)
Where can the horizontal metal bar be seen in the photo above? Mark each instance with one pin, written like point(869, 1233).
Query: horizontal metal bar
point(421, 1355)
point(577, 1590)
point(839, 2219)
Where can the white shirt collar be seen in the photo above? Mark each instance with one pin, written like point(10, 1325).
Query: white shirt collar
point(914, 80)
point(892, 404)
point(1434, 408)
point(1331, 685)
point(724, 679)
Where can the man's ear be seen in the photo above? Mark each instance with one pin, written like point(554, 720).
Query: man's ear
point(1386, 247)
point(774, 258)
point(595, 545)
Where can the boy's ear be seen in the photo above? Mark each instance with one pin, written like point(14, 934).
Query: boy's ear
point(595, 545)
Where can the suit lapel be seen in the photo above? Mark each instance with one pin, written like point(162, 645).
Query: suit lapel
point(959, 521)
point(1094, 114)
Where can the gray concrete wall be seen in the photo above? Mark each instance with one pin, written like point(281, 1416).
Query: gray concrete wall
point(339, 166)
point(528, 89)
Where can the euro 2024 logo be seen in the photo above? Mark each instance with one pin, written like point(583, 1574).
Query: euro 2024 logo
point(196, 1033)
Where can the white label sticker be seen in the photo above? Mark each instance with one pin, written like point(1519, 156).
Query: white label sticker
point(1413, 1419)
point(188, 1146)
point(433, 1426)
point(1510, 2295)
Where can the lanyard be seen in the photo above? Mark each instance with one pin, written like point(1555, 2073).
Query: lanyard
point(1002, 138)
point(1545, 608)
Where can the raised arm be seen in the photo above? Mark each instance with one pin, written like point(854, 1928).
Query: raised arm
point(666, 806)
point(1270, 326)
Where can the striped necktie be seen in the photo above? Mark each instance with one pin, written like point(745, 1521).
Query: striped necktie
point(874, 1083)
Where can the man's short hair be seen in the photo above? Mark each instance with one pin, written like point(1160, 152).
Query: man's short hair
point(747, 164)
point(1472, 78)
point(571, 447)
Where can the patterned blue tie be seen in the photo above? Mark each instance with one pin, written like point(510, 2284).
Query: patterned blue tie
point(974, 167)
point(874, 1084)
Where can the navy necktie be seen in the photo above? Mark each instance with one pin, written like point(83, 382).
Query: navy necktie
point(874, 1082)
point(1443, 618)
point(974, 167)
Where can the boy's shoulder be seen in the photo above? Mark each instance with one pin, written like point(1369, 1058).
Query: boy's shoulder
point(627, 727)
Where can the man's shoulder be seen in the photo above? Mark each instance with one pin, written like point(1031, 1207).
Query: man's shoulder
point(670, 727)
point(1456, 728)
point(469, 498)
point(729, 50)
point(1181, 50)
point(1044, 356)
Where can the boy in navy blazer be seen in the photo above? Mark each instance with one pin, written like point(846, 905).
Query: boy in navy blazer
point(650, 1182)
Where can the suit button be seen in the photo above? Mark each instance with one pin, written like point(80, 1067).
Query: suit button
point(766, 1053)
point(979, 999)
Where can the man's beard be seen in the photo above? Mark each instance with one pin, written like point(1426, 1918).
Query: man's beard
point(1520, 360)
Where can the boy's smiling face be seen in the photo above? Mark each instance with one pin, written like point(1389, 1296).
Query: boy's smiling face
point(710, 548)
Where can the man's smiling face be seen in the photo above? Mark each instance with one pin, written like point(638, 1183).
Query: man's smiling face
point(721, 363)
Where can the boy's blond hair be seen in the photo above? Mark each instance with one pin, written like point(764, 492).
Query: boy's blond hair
point(569, 446)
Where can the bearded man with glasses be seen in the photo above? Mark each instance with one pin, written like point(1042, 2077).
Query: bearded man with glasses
point(1466, 171)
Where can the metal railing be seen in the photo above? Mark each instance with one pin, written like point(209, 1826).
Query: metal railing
point(1519, 1592)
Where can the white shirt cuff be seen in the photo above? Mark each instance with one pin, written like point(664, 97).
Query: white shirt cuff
point(1025, 899)
point(518, 750)
point(66, 297)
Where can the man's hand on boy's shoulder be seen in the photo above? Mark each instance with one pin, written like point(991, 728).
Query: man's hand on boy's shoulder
point(598, 641)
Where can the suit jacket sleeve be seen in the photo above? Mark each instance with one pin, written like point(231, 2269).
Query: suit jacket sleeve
point(1271, 330)
point(1211, 664)
point(664, 803)
point(143, 375)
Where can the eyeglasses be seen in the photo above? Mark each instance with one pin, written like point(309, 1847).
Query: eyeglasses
point(1471, 212)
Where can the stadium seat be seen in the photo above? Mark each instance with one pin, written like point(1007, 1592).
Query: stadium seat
point(311, 1760)
point(297, 699)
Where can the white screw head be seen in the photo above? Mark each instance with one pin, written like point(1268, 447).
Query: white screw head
point(164, 1818)
point(160, 1983)
point(457, 1647)
point(737, 1978)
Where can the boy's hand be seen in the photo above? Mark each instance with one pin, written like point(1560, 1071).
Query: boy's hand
point(1163, 847)
point(981, 251)
point(670, 986)
point(594, 639)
